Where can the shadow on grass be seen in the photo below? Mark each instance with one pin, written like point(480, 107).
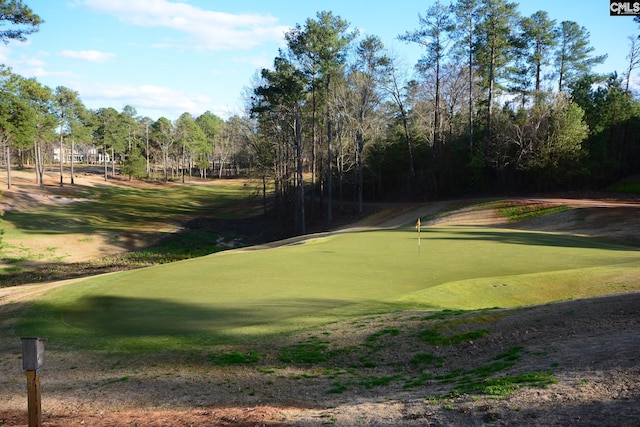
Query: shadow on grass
point(117, 209)
point(191, 378)
point(146, 324)
point(525, 238)
point(200, 236)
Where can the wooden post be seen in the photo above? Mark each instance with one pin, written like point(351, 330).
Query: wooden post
point(32, 362)
point(34, 406)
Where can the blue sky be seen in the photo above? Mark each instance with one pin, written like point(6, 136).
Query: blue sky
point(166, 57)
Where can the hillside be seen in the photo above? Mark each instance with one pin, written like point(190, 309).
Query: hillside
point(584, 354)
point(607, 216)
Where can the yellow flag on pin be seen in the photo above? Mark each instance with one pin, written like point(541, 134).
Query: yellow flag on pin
point(418, 223)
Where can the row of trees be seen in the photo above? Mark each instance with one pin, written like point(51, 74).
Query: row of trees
point(37, 123)
point(497, 102)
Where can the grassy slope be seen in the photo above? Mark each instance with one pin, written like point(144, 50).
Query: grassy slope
point(58, 223)
point(240, 295)
point(113, 209)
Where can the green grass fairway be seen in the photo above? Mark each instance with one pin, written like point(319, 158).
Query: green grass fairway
point(232, 297)
point(116, 209)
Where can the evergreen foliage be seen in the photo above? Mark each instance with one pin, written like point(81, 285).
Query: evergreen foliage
point(499, 102)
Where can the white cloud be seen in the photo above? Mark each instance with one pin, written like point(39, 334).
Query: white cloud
point(32, 66)
point(261, 60)
point(87, 55)
point(4, 53)
point(32, 62)
point(634, 84)
point(147, 99)
point(206, 29)
point(28, 66)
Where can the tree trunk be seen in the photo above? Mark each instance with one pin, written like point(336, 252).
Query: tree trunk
point(329, 174)
point(147, 151)
point(264, 195)
point(538, 77)
point(314, 148)
point(61, 156)
point(359, 169)
point(72, 148)
point(561, 71)
point(490, 99)
point(329, 161)
point(436, 114)
point(113, 161)
point(407, 136)
point(104, 159)
point(182, 163)
point(8, 158)
point(165, 160)
point(299, 167)
point(471, 91)
point(39, 164)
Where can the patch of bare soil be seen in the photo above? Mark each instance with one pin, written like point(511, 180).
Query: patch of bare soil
point(574, 363)
point(379, 371)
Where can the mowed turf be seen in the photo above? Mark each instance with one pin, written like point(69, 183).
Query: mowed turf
point(236, 296)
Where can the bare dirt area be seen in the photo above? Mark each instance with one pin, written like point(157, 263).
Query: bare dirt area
point(589, 349)
point(572, 363)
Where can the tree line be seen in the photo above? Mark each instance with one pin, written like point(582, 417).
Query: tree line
point(40, 126)
point(497, 102)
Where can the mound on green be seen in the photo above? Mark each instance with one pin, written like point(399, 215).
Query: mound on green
point(238, 296)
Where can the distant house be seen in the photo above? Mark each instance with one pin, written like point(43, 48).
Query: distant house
point(93, 156)
point(76, 156)
point(87, 154)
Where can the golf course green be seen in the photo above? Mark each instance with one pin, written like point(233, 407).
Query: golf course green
point(240, 295)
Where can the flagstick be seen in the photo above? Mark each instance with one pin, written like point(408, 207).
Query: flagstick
point(418, 227)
